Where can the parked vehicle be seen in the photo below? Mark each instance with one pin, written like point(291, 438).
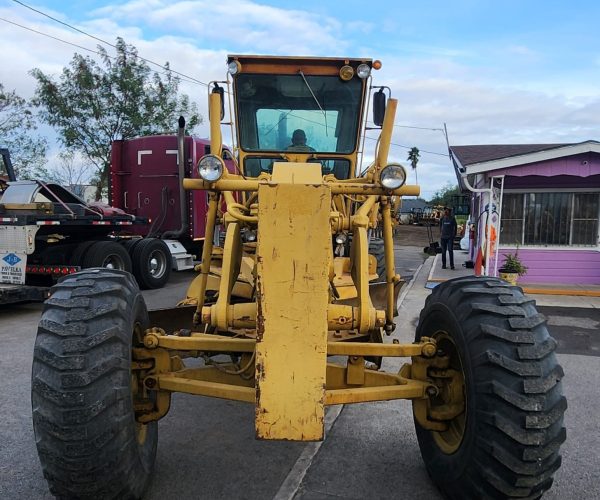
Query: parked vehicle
point(46, 232)
point(146, 180)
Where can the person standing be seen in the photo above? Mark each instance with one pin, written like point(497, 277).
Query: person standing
point(448, 229)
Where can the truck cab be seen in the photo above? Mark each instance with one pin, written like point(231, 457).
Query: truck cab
point(145, 182)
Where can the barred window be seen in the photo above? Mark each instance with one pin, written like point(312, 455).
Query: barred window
point(550, 219)
point(585, 219)
point(512, 219)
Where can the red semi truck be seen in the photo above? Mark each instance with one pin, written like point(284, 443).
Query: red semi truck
point(146, 181)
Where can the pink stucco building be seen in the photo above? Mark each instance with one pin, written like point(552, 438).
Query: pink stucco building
point(545, 202)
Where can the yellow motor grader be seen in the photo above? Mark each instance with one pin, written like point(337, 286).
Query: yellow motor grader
point(291, 292)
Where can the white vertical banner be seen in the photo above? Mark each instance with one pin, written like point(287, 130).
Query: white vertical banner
point(492, 227)
point(497, 195)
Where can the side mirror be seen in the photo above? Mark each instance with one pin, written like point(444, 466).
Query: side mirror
point(378, 107)
point(221, 91)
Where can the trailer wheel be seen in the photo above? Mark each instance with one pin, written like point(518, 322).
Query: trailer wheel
point(151, 263)
point(377, 249)
point(109, 254)
point(79, 253)
point(505, 444)
point(83, 388)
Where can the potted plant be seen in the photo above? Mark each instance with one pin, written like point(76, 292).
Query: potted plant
point(512, 268)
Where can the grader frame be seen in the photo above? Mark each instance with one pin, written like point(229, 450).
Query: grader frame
point(284, 336)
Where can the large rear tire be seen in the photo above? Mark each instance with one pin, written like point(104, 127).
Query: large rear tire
point(151, 263)
point(83, 388)
point(506, 442)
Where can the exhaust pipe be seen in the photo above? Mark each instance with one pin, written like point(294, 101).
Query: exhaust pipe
point(182, 193)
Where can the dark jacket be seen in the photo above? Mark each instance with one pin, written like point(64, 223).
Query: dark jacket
point(448, 227)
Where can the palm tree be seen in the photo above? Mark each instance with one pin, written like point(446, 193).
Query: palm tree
point(413, 158)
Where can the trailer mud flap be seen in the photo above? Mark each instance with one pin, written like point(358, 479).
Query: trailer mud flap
point(294, 256)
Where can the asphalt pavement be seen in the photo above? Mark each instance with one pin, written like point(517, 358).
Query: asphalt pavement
point(207, 448)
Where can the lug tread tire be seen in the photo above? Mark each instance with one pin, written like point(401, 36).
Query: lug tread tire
point(515, 405)
point(81, 397)
point(377, 249)
point(140, 259)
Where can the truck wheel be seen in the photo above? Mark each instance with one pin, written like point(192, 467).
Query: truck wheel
point(83, 388)
point(505, 443)
point(79, 253)
point(107, 254)
point(129, 244)
point(377, 249)
point(151, 263)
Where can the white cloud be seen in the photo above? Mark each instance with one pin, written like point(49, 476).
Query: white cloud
point(244, 25)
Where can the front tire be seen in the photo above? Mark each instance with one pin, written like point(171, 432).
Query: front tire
point(83, 388)
point(506, 442)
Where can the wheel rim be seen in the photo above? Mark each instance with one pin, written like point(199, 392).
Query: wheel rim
point(451, 392)
point(157, 264)
point(114, 261)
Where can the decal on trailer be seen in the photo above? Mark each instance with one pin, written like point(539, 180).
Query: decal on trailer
point(12, 268)
point(11, 259)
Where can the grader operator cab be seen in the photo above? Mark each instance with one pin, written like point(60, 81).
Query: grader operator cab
point(292, 290)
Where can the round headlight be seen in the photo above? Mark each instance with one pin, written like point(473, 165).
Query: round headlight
point(363, 71)
point(346, 73)
point(340, 238)
point(234, 67)
point(249, 236)
point(393, 176)
point(210, 168)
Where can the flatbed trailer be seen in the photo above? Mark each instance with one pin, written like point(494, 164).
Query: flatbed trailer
point(47, 232)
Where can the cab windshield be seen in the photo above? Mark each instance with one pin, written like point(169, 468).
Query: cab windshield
point(318, 114)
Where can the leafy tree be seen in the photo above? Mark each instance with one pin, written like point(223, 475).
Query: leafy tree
point(71, 170)
point(413, 158)
point(94, 103)
point(28, 153)
point(444, 195)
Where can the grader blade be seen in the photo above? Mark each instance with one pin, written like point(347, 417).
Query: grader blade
point(293, 260)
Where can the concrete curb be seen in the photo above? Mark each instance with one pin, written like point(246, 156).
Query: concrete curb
point(561, 291)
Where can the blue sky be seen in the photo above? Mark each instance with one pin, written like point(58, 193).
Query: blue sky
point(495, 72)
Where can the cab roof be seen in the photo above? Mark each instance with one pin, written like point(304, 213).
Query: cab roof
point(309, 65)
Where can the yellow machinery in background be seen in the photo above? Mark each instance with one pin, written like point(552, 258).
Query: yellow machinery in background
point(290, 314)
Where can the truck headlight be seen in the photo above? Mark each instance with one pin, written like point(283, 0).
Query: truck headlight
point(393, 176)
point(210, 168)
point(234, 67)
point(363, 71)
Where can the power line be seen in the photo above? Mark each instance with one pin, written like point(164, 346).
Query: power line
point(410, 147)
point(411, 126)
point(149, 61)
point(70, 43)
point(49, 36)
point(366, 136)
